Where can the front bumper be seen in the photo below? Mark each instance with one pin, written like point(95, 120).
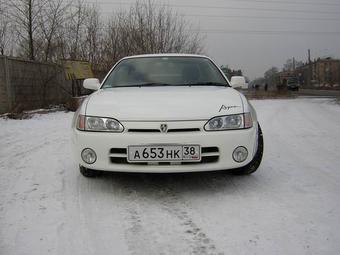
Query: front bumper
point(217, 148)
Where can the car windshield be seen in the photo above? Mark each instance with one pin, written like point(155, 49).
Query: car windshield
point(292, 80)
point(165, 71)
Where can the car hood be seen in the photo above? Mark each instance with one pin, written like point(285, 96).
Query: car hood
point(164, 103)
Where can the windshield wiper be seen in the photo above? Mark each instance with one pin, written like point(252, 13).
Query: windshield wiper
point(209, 83)
point(156, 84)
point(150, 84)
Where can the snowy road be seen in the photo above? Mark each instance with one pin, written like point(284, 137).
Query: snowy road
point(290, 206)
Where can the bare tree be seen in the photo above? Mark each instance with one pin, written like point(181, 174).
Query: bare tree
point(73, 35)
point(93, 31)
point(111, 40)
point(271, 76)
point(157, 28)
point(52, 30)
point(51, 21)
point(25, 14)
point(4, 28)
point(148, 28)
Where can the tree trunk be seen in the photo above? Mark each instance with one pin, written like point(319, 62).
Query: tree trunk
point(30, 31)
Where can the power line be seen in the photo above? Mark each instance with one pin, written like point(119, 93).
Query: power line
point(252, 17)
point(260, 17)
point(265, 32)
point(256, 1)
point(224, 7)
point(286, 2)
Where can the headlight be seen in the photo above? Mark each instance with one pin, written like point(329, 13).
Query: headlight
point(229, 122)
point(89, 123)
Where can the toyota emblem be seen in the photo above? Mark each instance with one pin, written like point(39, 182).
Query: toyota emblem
point(164, 128)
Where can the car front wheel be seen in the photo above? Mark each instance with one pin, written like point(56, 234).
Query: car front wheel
point(253, 165)
point(89, 173)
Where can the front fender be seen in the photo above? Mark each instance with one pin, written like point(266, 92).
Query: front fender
point(247, 107)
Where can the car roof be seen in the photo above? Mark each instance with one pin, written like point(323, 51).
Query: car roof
point(166, 55)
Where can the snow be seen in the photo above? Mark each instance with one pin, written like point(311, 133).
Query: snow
point(290, 206)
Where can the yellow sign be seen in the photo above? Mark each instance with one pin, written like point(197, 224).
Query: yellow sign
point(77, 70)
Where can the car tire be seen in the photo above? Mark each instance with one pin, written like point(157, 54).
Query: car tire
point(253, 165)
point(89, 173)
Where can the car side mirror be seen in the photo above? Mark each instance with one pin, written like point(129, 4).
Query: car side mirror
point(232, 84)
point(238, 82)
point(91, 83)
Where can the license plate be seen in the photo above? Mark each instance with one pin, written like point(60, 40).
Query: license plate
point(154, 153)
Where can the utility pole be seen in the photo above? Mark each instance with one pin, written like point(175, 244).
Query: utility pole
point(309, 78)
point(30, 30)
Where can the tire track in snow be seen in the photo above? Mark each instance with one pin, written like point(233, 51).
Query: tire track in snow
point(22, 151)
point(143, 234)
point(202, 244)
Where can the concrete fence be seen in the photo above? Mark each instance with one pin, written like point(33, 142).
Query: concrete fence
point(26, 85)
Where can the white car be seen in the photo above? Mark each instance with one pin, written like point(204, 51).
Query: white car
point(166, 113)
point(239, 82)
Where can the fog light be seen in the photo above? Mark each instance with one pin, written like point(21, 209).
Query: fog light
point(89, 156)
point(240, 154)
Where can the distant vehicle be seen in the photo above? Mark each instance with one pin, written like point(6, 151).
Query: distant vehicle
point(239, 82)
point(293, 83)
point(166, 113)
point(288, 80)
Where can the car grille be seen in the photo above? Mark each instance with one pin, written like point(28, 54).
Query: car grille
point(173, 130)
point(208, 155)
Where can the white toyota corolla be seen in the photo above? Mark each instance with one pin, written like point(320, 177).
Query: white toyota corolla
point(166, 113)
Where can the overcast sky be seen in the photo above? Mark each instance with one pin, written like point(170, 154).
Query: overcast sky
point(254, 35)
